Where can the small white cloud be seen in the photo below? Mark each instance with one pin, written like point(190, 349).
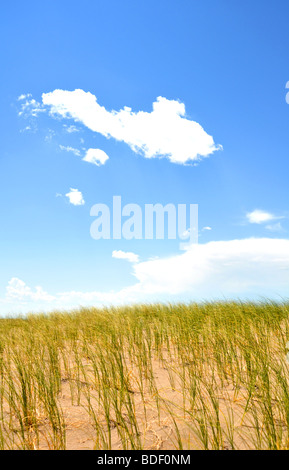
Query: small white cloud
point(129, 256)
point(75, 197)
point(163, 132)
point(259, 217)
point(96, 156)
point(206, 228)
point(70, 149)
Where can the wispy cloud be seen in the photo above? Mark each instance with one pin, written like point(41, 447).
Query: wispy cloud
point(70, 149)
point(24, 96)
point(49, 136)
point(75, 197)
point(29, 106)
point(26, 129)
point(274, 227)
point(71, 129)
point(164, 132)
point(127, 255)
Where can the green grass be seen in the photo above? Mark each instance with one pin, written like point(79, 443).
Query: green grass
point(204, 376)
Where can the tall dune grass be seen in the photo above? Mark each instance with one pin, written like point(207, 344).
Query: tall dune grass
point(198, 376)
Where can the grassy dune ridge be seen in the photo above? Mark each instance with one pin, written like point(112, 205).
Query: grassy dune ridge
point(197, 376)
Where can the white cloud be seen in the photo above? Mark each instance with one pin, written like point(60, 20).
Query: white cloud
point(259, 217)
point(235, 267)
point(206, 228)
point(70, 149)
point(96, 156)
point(164, 132)
point(18, 290)
point(75, 197)
point(245, 269)
point(129, 256)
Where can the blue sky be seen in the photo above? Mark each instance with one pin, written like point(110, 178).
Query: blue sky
point(227, 63)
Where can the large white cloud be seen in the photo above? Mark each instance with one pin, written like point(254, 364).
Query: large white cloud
point(243, 269)
point(164, 132)
point(252, 266)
